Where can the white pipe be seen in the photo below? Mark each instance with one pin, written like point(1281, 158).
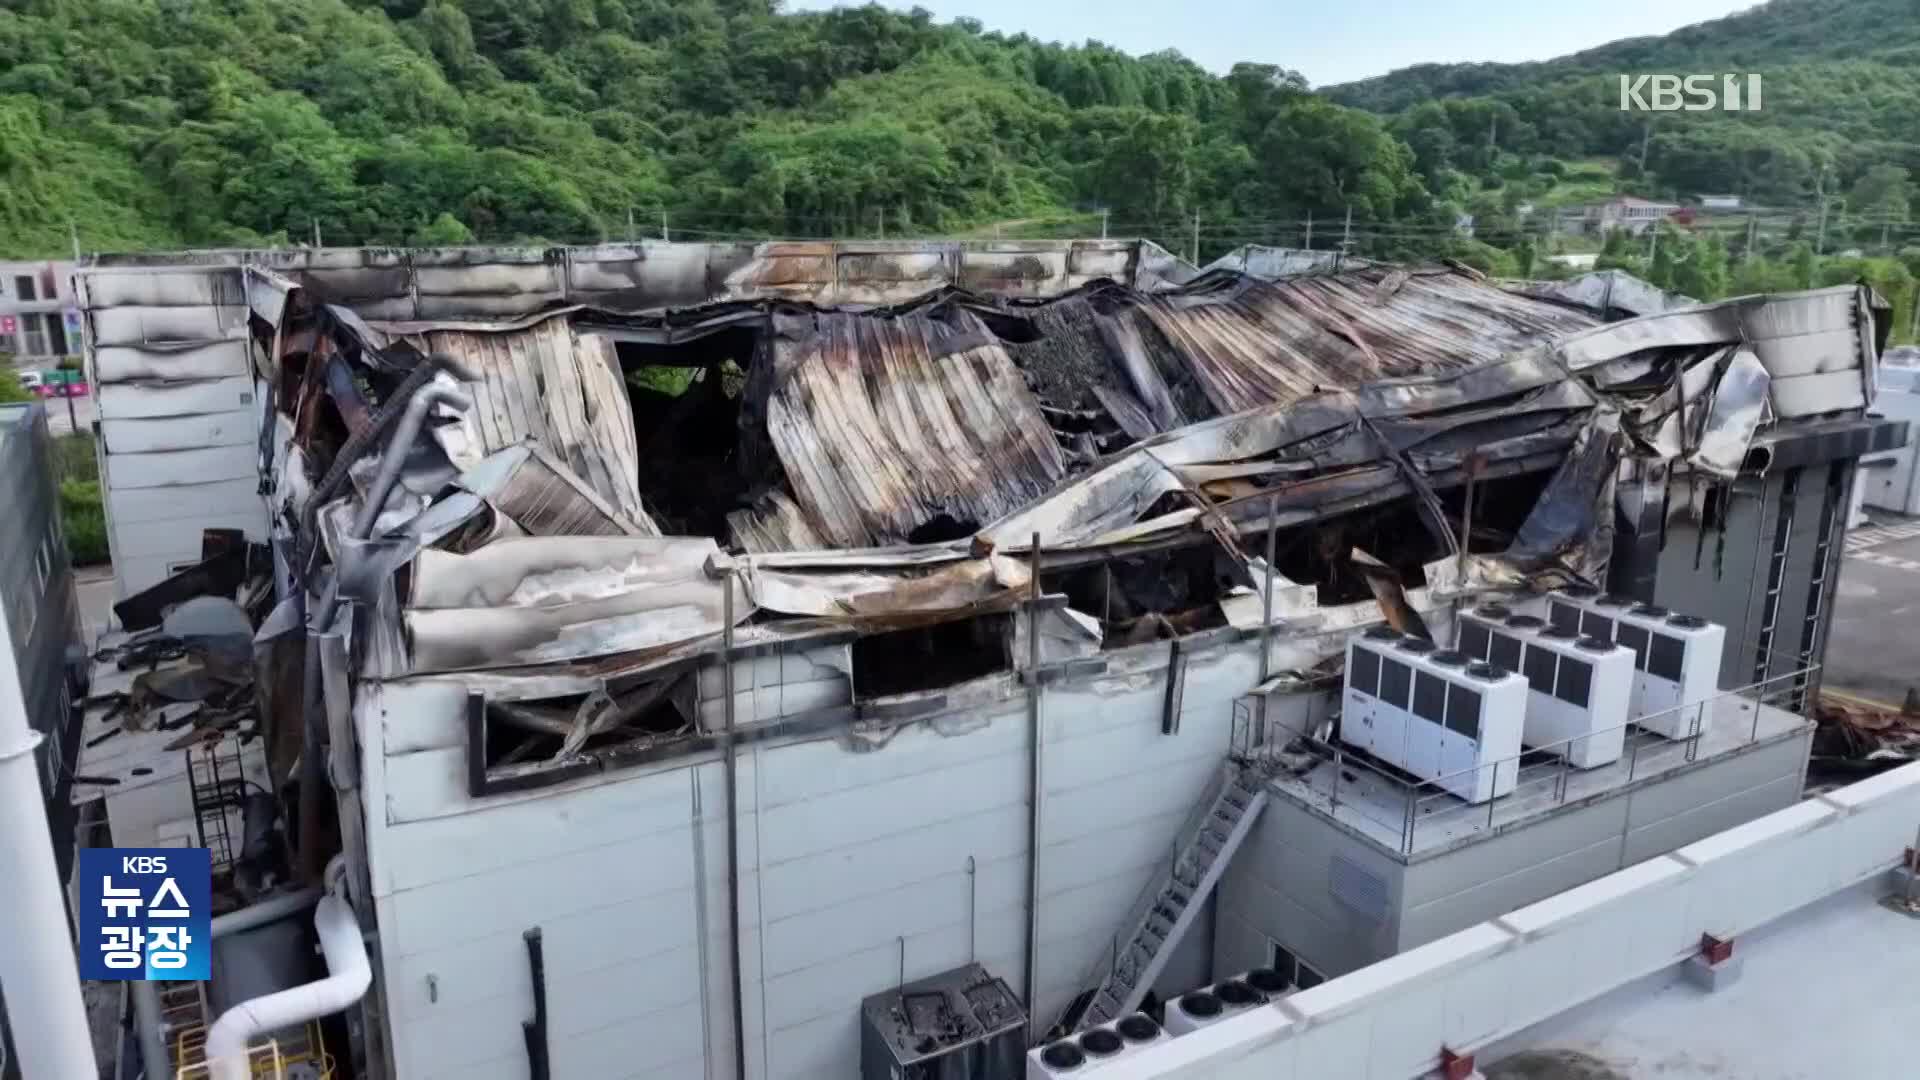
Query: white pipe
point(348, 976)
point(37, 967)
point(270, 910)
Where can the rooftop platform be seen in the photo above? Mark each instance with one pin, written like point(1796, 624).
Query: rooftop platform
point(1824, 992)
point(1374, 805)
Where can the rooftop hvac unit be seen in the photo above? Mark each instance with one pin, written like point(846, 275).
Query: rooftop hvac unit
point(963, 1024)
point(1676, 657)
point(1579, 689)
point(1192, 1011)
point(1436, 714)
point(1094, 1047)
point(1201, 1008)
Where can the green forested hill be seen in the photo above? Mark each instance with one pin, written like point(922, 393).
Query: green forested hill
point(150, 123)
point(167, 122)
point(1842, 81)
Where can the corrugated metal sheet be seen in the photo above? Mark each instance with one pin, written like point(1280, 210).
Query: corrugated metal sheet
point(883, 424)
point(1251, 343)
point(548, 383)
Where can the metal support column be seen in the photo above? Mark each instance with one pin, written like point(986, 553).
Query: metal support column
point(733, 828)
point(1034, 778)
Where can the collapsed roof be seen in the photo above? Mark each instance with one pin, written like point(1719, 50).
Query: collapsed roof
point(866, 466)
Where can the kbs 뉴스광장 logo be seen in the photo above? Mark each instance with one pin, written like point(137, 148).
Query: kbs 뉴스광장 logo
point(144, 913)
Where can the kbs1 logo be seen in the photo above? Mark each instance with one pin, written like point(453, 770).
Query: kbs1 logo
point(1690, 93)
point(144, 913)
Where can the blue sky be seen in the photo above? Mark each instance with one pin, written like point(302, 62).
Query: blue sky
point(1332, 42)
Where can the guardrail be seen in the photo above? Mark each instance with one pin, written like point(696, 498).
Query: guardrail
point(1470, 990)
point(1542, 775)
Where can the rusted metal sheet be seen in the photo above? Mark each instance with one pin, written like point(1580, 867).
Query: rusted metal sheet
point(545, 498)
point(1251, 343)
point(546, 382)
point(877, 592)
point(884, 424)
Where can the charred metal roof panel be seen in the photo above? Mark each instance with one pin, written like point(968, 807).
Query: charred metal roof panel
point(1251, 343)
point(883, 424)
point(550, 383)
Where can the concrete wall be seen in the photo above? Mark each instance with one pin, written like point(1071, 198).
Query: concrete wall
point(36, 592)
point(1718, 551)
point(1340, 902)
point(889, 850)
point(1303, 882)
point(1470, 989)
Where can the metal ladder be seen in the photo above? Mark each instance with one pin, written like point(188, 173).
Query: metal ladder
point(1232, 805)
point(1823, 564)
point(1776, 574)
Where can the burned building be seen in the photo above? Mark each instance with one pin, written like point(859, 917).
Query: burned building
point(759, 631)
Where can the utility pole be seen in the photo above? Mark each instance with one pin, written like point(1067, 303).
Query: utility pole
point(883, 223)
point(1653, 244)
point(1346, 235)
point(1886, 223)
point(664, 233)
point(1646, 140)
point(1753, 235)
point(1103, 222)
point(1820, 192)
point(1309, 244)
point(632, 236)
point(1196, 238)
point(74, 231)
point(316, 232)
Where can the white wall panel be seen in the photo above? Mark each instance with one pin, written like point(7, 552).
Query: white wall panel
point(191, 502)
point(138, 400)
point(123, 436)
point(181, 468)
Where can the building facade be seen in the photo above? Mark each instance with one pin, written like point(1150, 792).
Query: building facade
point(39, 319)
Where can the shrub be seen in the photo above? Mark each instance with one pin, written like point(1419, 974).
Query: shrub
point(85, 522)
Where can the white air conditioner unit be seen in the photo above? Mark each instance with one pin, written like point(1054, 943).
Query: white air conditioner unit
point(1579, 689)
point(1676, 657)
point(1211, 1004)
point(1436, 714)
point(1102, 1046)
point(1062, 1057)
point(1192, 1011)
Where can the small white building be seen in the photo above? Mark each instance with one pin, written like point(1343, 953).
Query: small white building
point(1721, 202)
point(1629, 212)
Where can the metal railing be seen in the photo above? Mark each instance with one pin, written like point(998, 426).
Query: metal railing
point(1543, 776)
point(1103, 966)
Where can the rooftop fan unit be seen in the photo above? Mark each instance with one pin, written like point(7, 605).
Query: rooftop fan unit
point(1676, 657)
point(1194, 1010)
point(1095, 1047)
point(1579, 689)
point(1437, 714)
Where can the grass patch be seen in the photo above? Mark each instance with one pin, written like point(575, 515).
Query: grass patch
point(77, 472)
point(84, 521)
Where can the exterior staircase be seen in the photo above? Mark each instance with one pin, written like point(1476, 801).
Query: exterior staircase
point(1173, 899)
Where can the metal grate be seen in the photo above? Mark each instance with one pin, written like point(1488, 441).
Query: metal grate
point(218, 787)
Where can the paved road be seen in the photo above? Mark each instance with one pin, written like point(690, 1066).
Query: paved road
point(94, 584)
point(1874, 647)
